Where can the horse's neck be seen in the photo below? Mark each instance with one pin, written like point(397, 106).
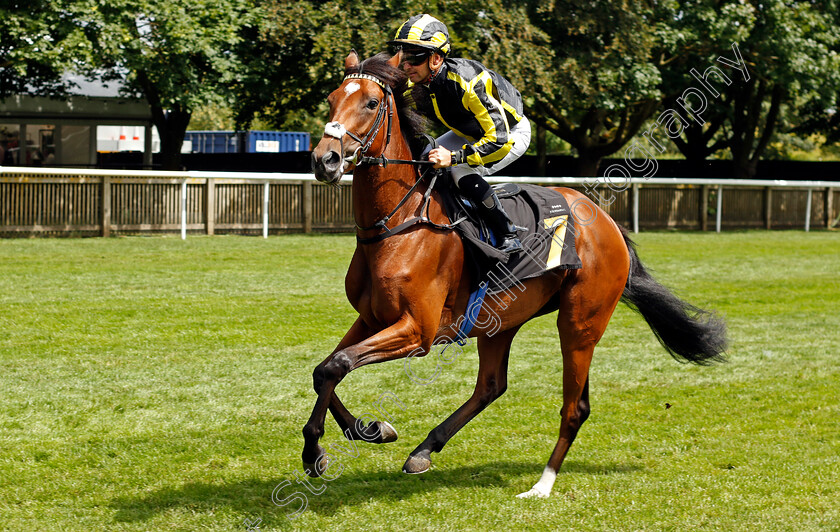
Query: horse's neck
point(377, 191)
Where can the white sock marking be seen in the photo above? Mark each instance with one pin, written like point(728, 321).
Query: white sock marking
point(543, 487)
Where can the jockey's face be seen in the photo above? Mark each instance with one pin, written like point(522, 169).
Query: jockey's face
point(418, 67)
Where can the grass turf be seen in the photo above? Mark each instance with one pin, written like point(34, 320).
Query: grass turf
point(150, 384)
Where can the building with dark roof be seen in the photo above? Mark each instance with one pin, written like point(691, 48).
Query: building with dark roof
point(40, 131)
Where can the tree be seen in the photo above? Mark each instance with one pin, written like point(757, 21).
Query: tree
point(690, 39)
point(578, 67)
point(591, 73)
point(786, 50)
point(821, 117)
point(584, 68)
point(179, 54)
point(39, 41)
point(295, 54)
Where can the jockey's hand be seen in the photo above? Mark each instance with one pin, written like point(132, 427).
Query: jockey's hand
point(441, 157)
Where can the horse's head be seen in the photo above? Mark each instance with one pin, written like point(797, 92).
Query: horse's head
point(360, 115)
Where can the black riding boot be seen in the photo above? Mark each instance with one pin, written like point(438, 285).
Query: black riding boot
point(506, 239)
point(474, 187)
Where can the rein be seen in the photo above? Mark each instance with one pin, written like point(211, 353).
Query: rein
point(359, 158)
point(422, 219)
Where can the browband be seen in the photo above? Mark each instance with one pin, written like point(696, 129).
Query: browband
point(367, 77)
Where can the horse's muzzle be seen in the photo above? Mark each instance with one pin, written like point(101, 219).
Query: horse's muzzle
point(329, 167)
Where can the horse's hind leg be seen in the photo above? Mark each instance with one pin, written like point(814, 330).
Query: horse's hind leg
point(581, 324)
point(493, 353)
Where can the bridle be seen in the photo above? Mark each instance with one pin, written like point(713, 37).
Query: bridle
point(337, 129)
point(360, 158)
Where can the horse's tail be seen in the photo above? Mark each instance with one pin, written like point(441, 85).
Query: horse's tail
point(688, 333)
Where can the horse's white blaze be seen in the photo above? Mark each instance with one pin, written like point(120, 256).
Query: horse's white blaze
point(543, 487)
point(352, 87)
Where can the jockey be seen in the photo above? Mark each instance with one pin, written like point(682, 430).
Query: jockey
point(481, 109)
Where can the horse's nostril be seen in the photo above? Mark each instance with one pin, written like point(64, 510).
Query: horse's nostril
point(331, 159)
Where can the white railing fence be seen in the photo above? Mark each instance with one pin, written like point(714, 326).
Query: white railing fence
point(104, 202)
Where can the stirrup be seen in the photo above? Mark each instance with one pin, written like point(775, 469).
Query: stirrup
point(510, 244)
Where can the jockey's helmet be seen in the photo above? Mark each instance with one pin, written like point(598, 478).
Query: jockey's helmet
point(424, 32)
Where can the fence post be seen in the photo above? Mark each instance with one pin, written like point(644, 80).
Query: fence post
point(266, 194)
point(829, 207)
point(184, 209)
point(636, 208)
point(704, 208)
point(808, 210)
point(307, 206)
point(719, 209)
point(768, 208)
point(106, 206)
point(210, 207)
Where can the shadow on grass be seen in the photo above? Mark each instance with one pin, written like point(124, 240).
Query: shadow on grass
point(253, 497)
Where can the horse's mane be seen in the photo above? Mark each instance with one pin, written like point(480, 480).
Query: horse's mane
point(412, 123)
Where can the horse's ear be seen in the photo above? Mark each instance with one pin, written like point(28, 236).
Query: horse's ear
point(396, 60)
point(352, 60)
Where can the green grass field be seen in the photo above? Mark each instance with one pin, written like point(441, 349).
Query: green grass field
point(159, 384)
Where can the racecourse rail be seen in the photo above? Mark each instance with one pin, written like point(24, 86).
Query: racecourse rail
point(59, 201)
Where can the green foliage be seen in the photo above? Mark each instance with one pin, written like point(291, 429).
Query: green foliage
point(179, 54)
point(591, 72)
point(295, 56)
point(791, 51)
point(277, 80)
point(584, 68)
point(39, 41)
point(212, 117)
point(814, 147)
point(179, 50)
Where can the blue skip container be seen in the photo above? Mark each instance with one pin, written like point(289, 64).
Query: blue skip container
point(254, 141)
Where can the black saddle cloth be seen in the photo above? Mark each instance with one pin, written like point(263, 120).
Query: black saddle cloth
point(548, 240)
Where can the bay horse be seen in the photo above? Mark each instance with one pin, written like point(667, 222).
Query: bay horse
point(409, 281)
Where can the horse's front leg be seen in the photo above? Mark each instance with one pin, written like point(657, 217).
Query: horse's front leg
point(394, 342)
point(351, 426)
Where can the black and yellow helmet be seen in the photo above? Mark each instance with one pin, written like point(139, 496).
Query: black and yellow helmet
point(423, 31)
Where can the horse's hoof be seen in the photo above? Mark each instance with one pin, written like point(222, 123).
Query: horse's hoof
point(315, 472)
point(533, 493)
point(387, 431)
point(417, 464)
point(309, 469)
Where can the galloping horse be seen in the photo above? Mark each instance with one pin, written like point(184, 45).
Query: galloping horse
point(409, 282)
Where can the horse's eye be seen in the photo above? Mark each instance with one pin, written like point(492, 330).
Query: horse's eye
point(372, 103)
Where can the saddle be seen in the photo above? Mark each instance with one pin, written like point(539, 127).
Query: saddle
point(548, 240)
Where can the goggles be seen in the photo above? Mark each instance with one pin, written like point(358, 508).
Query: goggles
point(415, 59)
point(412, 56)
